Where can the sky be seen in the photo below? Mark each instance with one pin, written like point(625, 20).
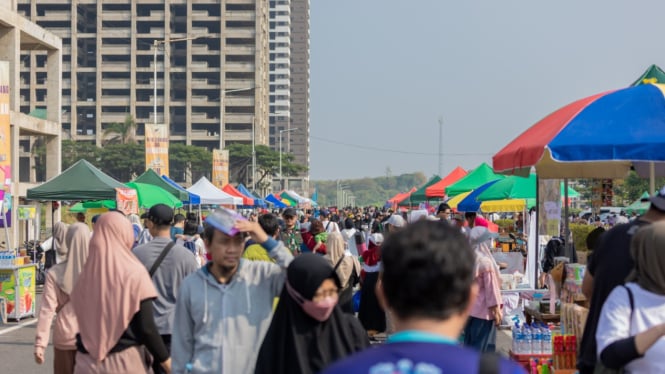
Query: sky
point(383, 72)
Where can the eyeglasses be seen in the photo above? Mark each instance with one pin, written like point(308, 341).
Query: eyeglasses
point(326, 293)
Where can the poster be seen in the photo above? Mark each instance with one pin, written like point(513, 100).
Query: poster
point(549, 203)
point(157, 148)
point(126, 200)
point(26, 212)
point(220, 168)
point(26, 281)
point(5, 134)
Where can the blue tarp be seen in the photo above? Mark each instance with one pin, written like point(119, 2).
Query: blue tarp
point(194, 199)
point(257, 201)
point(273, 200)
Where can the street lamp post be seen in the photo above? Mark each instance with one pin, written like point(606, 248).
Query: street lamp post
point(281, 177)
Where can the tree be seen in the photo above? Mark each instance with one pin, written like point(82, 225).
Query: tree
point(184, 159)
point(122, 132)
point(267, 163)
point(123, 161)
point(72, 151)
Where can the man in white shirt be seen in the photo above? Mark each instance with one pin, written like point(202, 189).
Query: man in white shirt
point(328, 225)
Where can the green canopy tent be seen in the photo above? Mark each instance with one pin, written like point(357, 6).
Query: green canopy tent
point(148, 195)
point(639, 206)
point(476, 178)
point(654, 74)
point(82, 181)
point(516, 187)
point(418, 196)
point(151, 177)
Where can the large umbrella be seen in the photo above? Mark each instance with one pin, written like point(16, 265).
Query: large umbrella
point(600, 136)
point(470, 204)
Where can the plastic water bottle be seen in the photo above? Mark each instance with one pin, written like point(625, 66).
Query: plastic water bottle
point(517, 338)
point(536, 339)
point(547, 340)
point(527, 339)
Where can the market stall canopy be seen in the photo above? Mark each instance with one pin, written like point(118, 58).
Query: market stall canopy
point(150, 195)
point(229, 189)
point(476, 178)
point(469, 203)
point(516, 187)
point(600, 136)
point(193, 198)
point(438, 189)
point(654, 74)
point(287, 199)
point(418, 196)
point(211, 195)
point(257, 202)
point(82, 181)
point(151, 177)
point(401, 196)
point(639, 206)
point(275, 201)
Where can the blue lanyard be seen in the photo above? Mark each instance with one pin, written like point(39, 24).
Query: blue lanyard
point(412, 336)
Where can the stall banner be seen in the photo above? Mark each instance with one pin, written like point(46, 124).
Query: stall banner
point(7, 289)
point(126, 200)
point(157, 148)
point(220, 168)
point(549, 207)
point(5, 134)
point(27, 212)
point(26, 281)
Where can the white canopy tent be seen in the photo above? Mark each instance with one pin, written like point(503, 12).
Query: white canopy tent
point(212, 195)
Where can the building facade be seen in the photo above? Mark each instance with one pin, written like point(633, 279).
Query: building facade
point(211, 67)
point(289, 86)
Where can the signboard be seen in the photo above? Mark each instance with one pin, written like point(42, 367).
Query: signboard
point(126, 200)
point(5, 134)
point(220, 168)
point(157, 148)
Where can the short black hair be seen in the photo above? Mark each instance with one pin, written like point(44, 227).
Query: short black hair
point(191, 228)
point(592, 239)
point(442, 208)
point(468, 215)
point(269, 223)
point(349, 224)
point(427, 270)
point(179, 218)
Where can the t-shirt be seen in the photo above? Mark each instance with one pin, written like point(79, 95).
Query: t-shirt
point(610, 264)
point(321, 237)
point(417, 356)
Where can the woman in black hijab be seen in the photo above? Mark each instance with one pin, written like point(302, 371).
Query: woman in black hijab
point(309, 331)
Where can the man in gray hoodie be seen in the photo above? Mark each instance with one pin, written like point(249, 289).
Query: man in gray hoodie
point(223, 311)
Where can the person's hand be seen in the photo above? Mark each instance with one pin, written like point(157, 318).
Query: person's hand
point(166, 365)
point(498, 316)
point(39, 357)
point(254, 229)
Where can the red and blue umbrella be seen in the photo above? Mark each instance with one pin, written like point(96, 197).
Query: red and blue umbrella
point(600, 136)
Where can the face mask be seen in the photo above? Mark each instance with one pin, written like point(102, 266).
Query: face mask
point(319, 310)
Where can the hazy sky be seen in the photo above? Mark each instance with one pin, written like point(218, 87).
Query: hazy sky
point(384, 71)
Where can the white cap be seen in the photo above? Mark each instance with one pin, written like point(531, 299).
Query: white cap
point(376, 238)
point(395, 220)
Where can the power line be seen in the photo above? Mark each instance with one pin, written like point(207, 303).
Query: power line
point(391, 150)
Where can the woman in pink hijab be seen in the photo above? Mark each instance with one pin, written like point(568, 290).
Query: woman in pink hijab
point(112, 301)
point(60, 280)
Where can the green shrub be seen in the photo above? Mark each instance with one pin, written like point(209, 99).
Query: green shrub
point(580, 232)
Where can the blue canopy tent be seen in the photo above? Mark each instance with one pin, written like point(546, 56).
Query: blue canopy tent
point(273, 200)
point(194, 199)
point(257, 201)
point(470, 204)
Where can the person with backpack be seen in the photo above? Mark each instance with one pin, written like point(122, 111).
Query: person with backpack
point(168, 264)
point(193, 242)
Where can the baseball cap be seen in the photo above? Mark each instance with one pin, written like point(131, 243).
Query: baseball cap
point(160, 214)
point(376, 238)
point(658, 200)
point(289, 212)
point(325, 212)
point(395, 220)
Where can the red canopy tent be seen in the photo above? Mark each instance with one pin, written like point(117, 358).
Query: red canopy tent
point(229, 189)
point(438, 189)
point(401, 196)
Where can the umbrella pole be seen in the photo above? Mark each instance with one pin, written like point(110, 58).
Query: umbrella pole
point(652, 178)
point(566, 230)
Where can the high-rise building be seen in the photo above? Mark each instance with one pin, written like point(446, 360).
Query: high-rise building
point(211, 67)
point(289, 85)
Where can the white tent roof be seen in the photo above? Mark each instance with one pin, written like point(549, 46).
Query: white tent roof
point(211, 194)
point(298, 198)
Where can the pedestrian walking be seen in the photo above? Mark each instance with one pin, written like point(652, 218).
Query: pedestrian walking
point(347, 268)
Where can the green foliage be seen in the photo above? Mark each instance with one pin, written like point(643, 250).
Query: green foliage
point(123, 162)
point(73, 151)
point(121, 132)
point(580, 232)
point(188, 158)
point(368, 191)
point(267, 163)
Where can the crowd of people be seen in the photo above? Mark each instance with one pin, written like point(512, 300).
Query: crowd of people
point(277, 292)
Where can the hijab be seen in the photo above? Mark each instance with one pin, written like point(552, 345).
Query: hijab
point(479, 238)
point(59, 232)
point(111, 286)
point(77, 240)
point(335, 253)
point(296, 342)
point(646, 248)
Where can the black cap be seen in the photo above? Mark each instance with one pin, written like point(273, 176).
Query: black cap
point(289, 212)
point(161, 214)
point(144, 215)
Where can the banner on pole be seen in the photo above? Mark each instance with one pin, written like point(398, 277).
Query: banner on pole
point(126, 200)
point(220, 168)
point(5, 134)
point(157, 148)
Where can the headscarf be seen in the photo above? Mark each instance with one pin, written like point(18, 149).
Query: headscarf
point(111, 286)
point(77, 240)
point(646, 248)
point(335, 246)
point(296, 342)
point(59, 232)
point(479, 238)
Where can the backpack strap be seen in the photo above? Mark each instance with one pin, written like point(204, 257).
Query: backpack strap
point(488, 363)
point(161, 258)
point(631, 300)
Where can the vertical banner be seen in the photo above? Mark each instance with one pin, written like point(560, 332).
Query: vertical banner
point(220, 168)
point(126, 200)
point(5, 134)
point(549, 203)
point(157, 148)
